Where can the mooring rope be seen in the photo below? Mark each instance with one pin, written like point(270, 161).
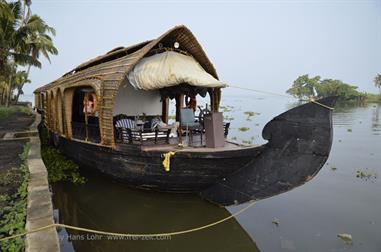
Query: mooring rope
point(283, 95)
point(131, 234)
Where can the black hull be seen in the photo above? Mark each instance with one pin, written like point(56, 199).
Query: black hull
point(299, 142)
point(189, 172)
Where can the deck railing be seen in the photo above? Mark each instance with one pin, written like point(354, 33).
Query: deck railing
point(79, 131)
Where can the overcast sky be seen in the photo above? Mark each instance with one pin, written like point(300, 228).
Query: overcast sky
point(258, 44)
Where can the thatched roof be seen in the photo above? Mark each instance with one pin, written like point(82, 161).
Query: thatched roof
point(116, 64)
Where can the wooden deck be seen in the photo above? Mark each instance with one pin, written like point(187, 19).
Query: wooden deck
point(195, 146)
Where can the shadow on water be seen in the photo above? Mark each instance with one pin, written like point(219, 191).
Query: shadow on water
point(103, 204)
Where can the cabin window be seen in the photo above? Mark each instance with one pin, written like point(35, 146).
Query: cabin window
point(85, 121)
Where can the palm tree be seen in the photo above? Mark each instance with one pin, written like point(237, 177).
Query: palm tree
point(38, 43)
point(13, 46)
point(377, 81)
point(13, 36)
point(20, 78)
point(22, 38)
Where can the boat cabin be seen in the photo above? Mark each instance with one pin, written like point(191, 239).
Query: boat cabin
point(123, 97)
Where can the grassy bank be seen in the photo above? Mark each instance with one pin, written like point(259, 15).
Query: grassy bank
point(7, 111)
point(13, 206)
point(373, 98)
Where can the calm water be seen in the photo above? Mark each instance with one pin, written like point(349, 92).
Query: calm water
point(310, 216)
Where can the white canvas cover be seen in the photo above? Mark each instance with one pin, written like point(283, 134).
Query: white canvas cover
point(170, 69)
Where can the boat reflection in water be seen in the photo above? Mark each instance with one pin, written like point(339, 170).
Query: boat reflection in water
point(106, 205)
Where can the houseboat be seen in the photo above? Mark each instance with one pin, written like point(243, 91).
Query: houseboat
point(110, 114)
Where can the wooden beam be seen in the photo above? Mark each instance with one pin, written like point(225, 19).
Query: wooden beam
point(164, 109)
point(179, 104)
point(211, 96)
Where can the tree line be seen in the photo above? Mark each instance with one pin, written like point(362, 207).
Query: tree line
point(24, 37)
point(305, 87)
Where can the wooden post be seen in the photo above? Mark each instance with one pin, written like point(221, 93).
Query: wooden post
point(165, 107)
point(86, 117)
point(211, 96)
point(179, 105)
point(216, 99)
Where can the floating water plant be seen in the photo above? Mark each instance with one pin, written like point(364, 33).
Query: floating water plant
point(243, 129)
point(247, 141)
point(365, 174)
point(227, 108)
point(59, 167)
point(347, 238)
point(349, 130)
point(333, 168)
point(275, 221)
point(228, 118)
point(249, 114)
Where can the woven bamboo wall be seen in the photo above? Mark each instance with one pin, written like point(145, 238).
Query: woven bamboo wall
point(59, 112)
point(68, 99)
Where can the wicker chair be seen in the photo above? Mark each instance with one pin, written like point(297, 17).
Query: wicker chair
point(127, 131)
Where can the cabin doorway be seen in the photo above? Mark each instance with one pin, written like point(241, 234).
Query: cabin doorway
point(85, 121)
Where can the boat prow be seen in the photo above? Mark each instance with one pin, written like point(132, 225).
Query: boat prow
point(299, 142)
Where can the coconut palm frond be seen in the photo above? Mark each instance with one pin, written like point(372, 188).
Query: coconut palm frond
point(24, 59)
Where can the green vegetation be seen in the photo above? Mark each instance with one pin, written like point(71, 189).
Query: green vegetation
point(23, 38)
point(247, 141)
point(243, 129)
point(377, 82)
point(305, 87)
point(365, 174)
point(249, 114)
point(373, 98)
point(227, 108)
point(275, 221)
point(13, 207)
point(347, 238)
point(59, 168)
point(228, 118)
point(6, 111)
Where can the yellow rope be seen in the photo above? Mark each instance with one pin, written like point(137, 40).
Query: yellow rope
point(321, 104)
point(131, 235)
point(260, 91)
point(288, 96)
point(167, 160)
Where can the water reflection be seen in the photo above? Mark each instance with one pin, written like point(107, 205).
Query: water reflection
point(376, 124)
point(105, 205)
